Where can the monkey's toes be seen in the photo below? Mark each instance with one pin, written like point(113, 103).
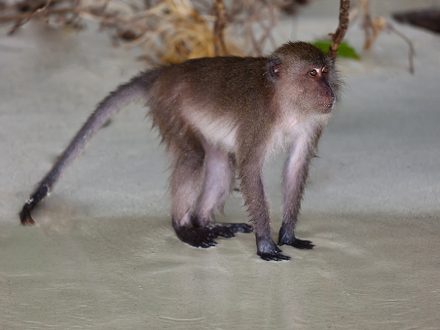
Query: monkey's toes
point(25, 216)
point(197, 237)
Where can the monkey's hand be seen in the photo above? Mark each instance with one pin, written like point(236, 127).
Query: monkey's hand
point(286, 238)
point(268, 250)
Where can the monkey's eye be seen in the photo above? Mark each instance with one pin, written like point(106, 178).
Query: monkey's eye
point(313, 73)
point(325, 70)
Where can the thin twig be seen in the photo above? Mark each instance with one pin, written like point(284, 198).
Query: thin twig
point(38, 14)
point(338, 36)
point(27, 18)
point(411, 49)
point(219, 27)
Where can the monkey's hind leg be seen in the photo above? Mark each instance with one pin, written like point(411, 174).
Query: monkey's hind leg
point(186, 180)
point(196, 191)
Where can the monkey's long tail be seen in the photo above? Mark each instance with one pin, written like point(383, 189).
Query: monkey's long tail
point(135, 89)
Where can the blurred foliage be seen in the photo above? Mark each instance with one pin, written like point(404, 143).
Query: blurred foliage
point(345, 50)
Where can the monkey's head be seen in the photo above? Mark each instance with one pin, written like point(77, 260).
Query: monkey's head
point(305, 78)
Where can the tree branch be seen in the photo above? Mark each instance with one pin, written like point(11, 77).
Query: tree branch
point(344, 20)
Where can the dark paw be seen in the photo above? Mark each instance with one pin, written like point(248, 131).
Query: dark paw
point(25, 215)
point(269, 251)
point(287, 237)
point(204, 236)
point(197, 237)
point(275, 256)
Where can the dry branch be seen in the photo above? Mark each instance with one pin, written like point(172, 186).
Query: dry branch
point(168, 30)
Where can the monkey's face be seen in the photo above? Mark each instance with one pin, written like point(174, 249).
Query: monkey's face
point(311, 87)
point(305, 78)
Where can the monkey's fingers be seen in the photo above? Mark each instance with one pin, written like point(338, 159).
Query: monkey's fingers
point(269, 251)
point(287, 237)
point(25, 215)
point(297, 243)
point(302, 244)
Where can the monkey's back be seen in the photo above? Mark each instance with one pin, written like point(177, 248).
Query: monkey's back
point(214, 94)
point(228, 82)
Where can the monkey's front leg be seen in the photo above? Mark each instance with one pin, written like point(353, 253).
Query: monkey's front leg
point(253, 194)
point(294, 179)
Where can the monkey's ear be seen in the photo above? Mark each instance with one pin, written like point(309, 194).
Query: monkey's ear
point(273, 67)
point(331, 61)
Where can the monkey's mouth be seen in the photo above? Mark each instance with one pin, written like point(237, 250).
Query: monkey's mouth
point(328, 106)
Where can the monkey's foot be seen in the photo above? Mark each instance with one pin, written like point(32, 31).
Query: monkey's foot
point(25, 215)
point(269, 251)
point(290, 239)
point(227, 230)
point(204, 237)
point(196, 236)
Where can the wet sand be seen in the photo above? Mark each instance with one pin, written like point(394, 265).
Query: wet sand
point(104, 256)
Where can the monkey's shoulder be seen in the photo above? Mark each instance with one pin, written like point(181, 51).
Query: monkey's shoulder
point(220, 61)
point(219, 68)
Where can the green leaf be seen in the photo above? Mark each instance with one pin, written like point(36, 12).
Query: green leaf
point(344, 50)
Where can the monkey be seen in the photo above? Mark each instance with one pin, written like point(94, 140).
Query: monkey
point(219, 117)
